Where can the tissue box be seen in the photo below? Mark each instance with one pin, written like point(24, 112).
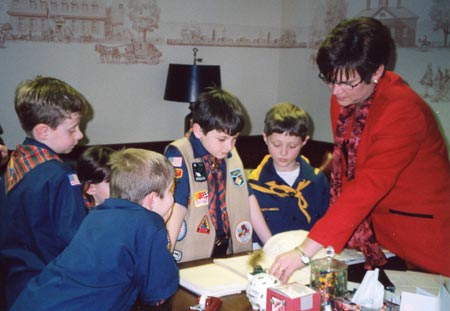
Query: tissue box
point(292, 297)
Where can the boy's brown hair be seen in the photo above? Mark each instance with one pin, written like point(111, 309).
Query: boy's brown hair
point(289, 118)
point(218, 109)
point(136, 173)
point(46, 100)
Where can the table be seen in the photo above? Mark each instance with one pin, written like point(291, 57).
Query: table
point(183, 298)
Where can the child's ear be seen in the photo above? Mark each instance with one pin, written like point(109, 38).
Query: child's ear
point(149, 201)
point(305, 141)
point(197, 130)
point(264, 137)
point(91, 189)
point(40, 131)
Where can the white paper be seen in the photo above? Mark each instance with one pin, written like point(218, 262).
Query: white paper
point(212, 280)
point(444, 295)
point(416, 302)
point(409, 281)
point(420, 291)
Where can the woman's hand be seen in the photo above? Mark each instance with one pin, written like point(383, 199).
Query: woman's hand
point(285, 264)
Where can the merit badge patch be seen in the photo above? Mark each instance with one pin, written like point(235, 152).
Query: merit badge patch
point(200, 198)
point(243, 231)
point(204, 227)
point(237, 176)
point(183, 231)
point(73, 179)
point(199, 171)
point(176, 161)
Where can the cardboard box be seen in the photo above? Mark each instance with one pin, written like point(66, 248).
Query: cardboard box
point(292, 297)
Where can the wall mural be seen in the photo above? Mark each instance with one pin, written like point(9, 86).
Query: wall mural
point(119, 29)
point(123, 31)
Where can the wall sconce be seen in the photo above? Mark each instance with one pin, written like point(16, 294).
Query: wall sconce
point(185, 82)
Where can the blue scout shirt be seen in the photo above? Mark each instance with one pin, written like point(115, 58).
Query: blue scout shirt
point(288, 208)
point(119, 252)
point(38, 218)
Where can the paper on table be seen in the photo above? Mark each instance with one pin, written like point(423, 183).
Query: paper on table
point(212, 280)
point(414, 302)
point(409, 281)
point(417, 291)
point(229, 276)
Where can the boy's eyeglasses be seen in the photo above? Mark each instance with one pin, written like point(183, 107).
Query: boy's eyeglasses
point(345, 85)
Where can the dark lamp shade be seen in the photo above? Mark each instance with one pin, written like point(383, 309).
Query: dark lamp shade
point(185, 82)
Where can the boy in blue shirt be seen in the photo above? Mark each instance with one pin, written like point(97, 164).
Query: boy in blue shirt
point(41, 205)
point(214, 214)
point(120, 251)
point(291, 193)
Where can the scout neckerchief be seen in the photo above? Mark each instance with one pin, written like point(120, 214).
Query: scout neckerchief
point(88, 202)
point(349, 128)
point(216, 191)
point(283, 191)
point(23, 160)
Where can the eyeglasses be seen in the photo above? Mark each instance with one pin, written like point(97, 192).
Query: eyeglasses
point(345, 85)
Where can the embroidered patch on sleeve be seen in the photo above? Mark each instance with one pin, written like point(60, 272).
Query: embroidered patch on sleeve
point(178, 173)
point(73, 179)
point(176, 161)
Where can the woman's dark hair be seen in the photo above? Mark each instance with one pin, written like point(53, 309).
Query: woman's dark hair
point(361, 44)
point(217, 109)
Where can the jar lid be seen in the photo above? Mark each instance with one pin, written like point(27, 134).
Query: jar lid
point(328, 263)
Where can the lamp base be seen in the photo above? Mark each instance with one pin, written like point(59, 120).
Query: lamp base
point(188, 120)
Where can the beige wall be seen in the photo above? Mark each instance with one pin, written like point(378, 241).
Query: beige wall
point(128, 98)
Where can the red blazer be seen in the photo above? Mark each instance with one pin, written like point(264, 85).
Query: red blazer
point(402, 180)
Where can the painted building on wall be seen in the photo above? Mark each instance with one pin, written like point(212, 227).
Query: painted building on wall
point(115, 17)
point(400, 20)
point(57, 20)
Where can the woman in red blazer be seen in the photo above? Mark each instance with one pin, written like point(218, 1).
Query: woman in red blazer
point(390, 183)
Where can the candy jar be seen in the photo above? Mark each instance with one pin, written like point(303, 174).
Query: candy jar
point(329, 277)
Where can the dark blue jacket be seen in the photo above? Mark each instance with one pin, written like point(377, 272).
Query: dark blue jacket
point(119, 252)
point(38, 218)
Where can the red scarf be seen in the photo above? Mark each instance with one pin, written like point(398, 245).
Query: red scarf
point(349, 128)
point(216, 192)
point(23, 160)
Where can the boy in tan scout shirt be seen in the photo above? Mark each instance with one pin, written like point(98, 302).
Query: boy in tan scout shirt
point(213, 213)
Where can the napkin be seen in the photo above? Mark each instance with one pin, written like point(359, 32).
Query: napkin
point(370, 293)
